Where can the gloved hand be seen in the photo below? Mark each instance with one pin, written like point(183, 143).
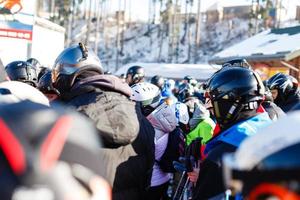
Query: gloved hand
point(193, 176)
point(184, 164)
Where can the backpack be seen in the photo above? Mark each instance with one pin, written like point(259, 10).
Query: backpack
point(174, 150)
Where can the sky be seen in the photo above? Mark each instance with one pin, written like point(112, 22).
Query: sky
point(140, 8)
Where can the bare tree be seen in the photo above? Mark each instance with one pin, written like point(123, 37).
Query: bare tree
point(70, 22)
point(89, 20)
point(198, 30)
point(118, 37)
point(189, 33)
point(123, 28)
point(98, 13)
point(161, 27)
point(186, 18)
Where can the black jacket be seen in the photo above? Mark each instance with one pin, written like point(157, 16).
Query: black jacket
point(210, 182)
point(291, 101)
point(128, 137)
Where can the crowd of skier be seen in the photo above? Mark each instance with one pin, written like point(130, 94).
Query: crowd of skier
point(77, 132)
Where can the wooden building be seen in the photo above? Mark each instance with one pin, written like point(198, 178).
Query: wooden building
point(269, 52)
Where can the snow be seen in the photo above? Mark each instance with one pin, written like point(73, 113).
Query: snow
point(146, 44)
point(175, 71)
point(265, 43)
point(141, 45)
point(228, 3)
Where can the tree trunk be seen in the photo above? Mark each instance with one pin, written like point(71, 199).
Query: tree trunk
point(170, 32)
point(123, 29)
point(88, 23)
point(70, 22)
point(189, 32)
point(97, 31)
point(160, 34)
point(198, 31)
point(185, 23)
point(118, 37)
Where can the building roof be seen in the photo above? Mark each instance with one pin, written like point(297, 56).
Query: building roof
point(219, 4)
point(213, 7)
point(175, 71)
point(275, 44)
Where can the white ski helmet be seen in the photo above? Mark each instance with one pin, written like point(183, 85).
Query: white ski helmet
point(15, 91)
point(181, 112)
point(146, 93)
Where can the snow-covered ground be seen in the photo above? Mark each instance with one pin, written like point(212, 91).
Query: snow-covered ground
point(142, 45)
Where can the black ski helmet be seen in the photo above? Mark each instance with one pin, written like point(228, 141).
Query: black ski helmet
point(283, 84)
point(295, 82)
point(22, 71)
point(238, 62)
point(34, 62)
point(232, 90)
point(268, 94)
point(45, 84)
point(137, 73)
point(186, 91)
point(72, 62)
point(35, 138)
point(158, 81)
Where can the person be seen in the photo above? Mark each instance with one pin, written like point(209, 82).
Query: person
point(40, 70)
point(163, 120)
point(167, 92)
point(201, 125)
point(35, 63)
point(235, 93)
point(45, 86)
point(15, 91)
point(22, 71)
point(190, 80)
point(128, 137)
point(271, 108)
point(187, 95)
point(284, 93)
point(148, 95)
point(44, 154)
point(158, 80)
point(271, 169)
point(3, 75)
point(135, 74)
point(167, 121)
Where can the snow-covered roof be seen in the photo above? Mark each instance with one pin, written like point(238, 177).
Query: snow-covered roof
point(175, 71)
point(228, 3)
point(271, 44)
point(213, 7)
